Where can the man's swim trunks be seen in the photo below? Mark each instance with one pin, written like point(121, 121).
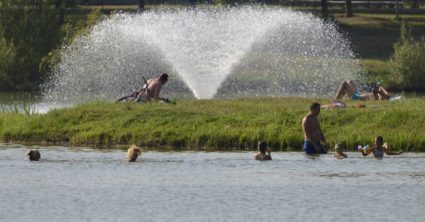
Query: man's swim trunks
point(310, 149)
point(356, 96)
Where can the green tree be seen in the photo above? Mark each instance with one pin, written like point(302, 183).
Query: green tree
point(408, 61)
point(30, 33)
point(7, 53)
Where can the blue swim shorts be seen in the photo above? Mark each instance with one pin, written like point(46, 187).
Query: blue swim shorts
point(356, 96)
point(310, 149)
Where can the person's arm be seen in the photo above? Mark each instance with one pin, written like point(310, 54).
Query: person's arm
point(369, 151)
point(388, 152)
point(322, 136)
point(384, 93)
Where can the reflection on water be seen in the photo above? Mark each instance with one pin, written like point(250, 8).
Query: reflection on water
point(82, 184)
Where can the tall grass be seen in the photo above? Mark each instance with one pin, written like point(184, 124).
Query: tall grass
point(218, 124)
point(23, 107)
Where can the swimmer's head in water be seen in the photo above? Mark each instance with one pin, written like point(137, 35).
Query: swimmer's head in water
point(339, 148)
point(315, 108)
point(262, 146)
point(379, 140)
point(33, 155)
point(163, 78)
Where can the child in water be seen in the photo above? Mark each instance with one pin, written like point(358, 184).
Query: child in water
point(262, 148)
point(339, 154)
point(379, 149)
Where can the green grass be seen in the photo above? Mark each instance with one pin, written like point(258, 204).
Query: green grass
point(217, 124)
point(373, 35)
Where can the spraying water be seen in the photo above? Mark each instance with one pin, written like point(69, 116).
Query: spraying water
point(212, 52)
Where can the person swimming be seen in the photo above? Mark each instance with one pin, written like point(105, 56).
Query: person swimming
point(339, 154)
point(261, 155)
point(33, 155)
point(379, 149)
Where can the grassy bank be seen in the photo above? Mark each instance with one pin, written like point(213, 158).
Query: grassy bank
point(217, 124)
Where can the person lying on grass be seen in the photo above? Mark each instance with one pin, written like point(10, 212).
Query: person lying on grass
point(348, 88)
point(341, 105)
point(262, 148)
point(379, 149)
point(339, 154)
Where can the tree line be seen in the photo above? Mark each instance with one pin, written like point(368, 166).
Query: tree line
point(31, 35)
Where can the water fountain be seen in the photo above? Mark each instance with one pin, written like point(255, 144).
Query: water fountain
point(210, 52)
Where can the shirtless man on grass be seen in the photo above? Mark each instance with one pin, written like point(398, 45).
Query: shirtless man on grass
point(153, 87)
point(149, 92)
point(312, 132)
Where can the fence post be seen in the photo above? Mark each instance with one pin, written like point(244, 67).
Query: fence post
point(397, 13)
point(324, 4)
point(141, 5)
point(348, 8)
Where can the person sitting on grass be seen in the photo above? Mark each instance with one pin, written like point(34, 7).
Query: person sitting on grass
point(149, 92)
point(339, 154)
point(262, 148)
point(379, 149)
point(152, 88)
point(348, 88)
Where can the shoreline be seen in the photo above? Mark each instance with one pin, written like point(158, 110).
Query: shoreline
point(217, 125)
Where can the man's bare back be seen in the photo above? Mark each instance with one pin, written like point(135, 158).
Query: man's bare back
point(154, 87)
point(311, 128)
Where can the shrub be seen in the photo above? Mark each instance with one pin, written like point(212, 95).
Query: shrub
point(407, 63)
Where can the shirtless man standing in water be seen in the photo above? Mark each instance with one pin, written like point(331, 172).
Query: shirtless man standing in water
point(312, 132)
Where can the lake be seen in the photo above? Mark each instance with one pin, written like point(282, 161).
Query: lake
point(84, 184)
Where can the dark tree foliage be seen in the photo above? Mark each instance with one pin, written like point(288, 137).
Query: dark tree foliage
point(31, 30)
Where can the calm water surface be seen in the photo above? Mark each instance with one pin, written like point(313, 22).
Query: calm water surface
point(81, 184)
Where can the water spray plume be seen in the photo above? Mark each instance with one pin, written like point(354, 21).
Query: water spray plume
point(209, 52)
